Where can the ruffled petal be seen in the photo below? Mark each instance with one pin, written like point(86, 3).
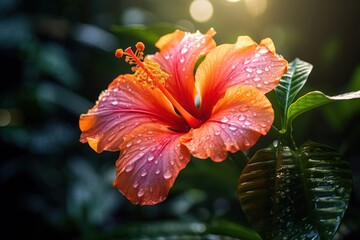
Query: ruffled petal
point(149, 163)
point(179, 52)
point(242, 63)
point(125, 105)
point(236, 123)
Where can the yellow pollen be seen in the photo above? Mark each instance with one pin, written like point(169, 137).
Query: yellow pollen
point(147, 72)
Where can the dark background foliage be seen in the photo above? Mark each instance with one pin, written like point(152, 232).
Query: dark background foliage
point(56, 57)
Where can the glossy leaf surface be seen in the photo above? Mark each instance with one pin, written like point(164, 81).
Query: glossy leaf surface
point(291, 83)
point(315, 99)
point(296, 194)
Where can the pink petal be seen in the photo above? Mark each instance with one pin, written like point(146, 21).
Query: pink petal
point(125, 105)
point(236, 123)
point(242, 63)
point(179, 52)
point(149, 163)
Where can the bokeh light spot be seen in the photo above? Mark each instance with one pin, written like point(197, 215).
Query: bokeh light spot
point(201, 10)
point(5, 117)
point(256, 7)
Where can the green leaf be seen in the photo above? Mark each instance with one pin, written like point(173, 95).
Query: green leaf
point(312, 100)
point(179, 230)
point(296, 194)
point(291, 83)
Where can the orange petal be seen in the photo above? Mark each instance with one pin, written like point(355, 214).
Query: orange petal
point(179, 52)
point(125, 105)
point(236, 123)
point(242, 63)
point(149, 163)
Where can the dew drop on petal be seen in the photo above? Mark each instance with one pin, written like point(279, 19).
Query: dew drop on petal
point(248, 69)
point(184, 50)
point(150, 158)
point(259, 71)
point(136, 184)
point(182, 60)
point(247, 61)
point(232, 127)
point(233, 66)
point(129, 168)
point(257, 78)
point(157, 171)
point(167, 174)
point(167, 57)
point(247, 123)
point(141, 192)
point(242, 117)
point(144, 173)
point(217, 133)
point(128, 144)
point(114, 102)
point(263, 50)
point(224, 119)
point(266, 69)
point(246, 142)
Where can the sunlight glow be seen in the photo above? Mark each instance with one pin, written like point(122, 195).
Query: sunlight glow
point(256, 7)
point(201, 10)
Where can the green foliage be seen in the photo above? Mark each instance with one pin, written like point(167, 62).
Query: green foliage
point(290, 84)
point(315, 99)
point(297, 194)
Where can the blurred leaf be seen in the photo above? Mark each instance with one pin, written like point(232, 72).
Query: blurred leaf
point(180, 230)
point(296, 194)
point(340, 113)
point(146, 33)
point(312, 100)
point(291, 83)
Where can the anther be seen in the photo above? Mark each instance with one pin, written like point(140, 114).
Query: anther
point(140, 46)
point(119, 53)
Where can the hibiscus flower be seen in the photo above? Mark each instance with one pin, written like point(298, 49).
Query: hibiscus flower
point(164, 112)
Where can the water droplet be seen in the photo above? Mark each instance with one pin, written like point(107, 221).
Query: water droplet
point(224, 119)
point(248, 69)
point(233, 66)
point(242, 117)
point(114, 102)
point(259, 71)
point(246, 142)
point(128, 144)
point(247, 61)
point(263, 50)
point(167, 174)
point(144, 173)
point(157, 171)
point(181, 157)
point(254, 114)
point(167, 57)
point(244, 108)
point(248, 94)
point(141, 154)
point(232, 128)
point(138, 141)
point(129, 168)
point(259, 85)
point(103, 99)
point(217, 133)
point(266, 69)
point(136, 184)
point(182, 60)
point(150, 158)
point(115, 89)
point(266, 82)
point(257, 78)
point(141, 192)
point(247, 123)
point(184, 50)
point(172, 162)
